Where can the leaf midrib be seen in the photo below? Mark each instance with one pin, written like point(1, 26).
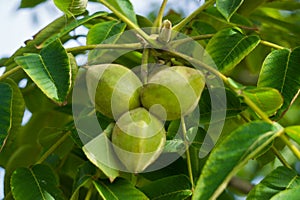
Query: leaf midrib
point(285, 73)
point(171, 193)
point(37, 183)
point(242, 163)
point(230, 52)
point(108, 189)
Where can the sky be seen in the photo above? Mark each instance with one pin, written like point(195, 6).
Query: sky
point(19, 25)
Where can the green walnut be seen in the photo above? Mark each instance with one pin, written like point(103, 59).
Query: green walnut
point(173, 92)
point(113, 88)
point(138, 138)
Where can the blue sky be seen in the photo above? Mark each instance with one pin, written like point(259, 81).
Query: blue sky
point(19, 25)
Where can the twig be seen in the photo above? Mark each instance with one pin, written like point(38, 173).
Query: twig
point(158, 20)
point(241, 185)
point(186, 20)
point(53, 148)
point(105, 46)
point(10, 72)
point(270, 44)
point(188, 156)
point(292, 147)
point(280, 157)
point(144, 66)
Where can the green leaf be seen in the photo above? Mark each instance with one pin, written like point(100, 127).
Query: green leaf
point(202, 27)
point(36, 101)
point(294, 133)
point(174, 187)
point(71, 7)
point(194, 149)
point(249, 6)
point(118, 190)
point(173, 129)
point(283, 5)
point(99, 151)
point(123, 6)
point(84, 175)
point(256, 58)
point(51, 70)
point(71, 26)
point(274, 183)
point(233, 105)
point(228, 7)
point(12, 107)
point(268, 100)
point(101, 31)
point(271, 18)
point(267, 156)
point(143, 22)
point(293, 193)
point(216, 19)
point(49, 136)
point(174, 146)
point(106, 33)
point(55, 30)
point(280, 70)
point(30, 3)
point(19, 158)
point(40, 123)
point(74, 68)
point(235, 47)
point(6, 95)
point(231, 154)
point(36, 183)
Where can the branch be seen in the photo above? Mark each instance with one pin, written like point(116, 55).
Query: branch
point(241, 185)
point(10, 72)
point(189, 18)
point(280, 157)
point(188, 156)
point(53, 148)
point(158, 20)
point(105, 46)
point(291, 146)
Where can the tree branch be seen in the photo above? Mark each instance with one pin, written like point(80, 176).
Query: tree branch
point(241, 185)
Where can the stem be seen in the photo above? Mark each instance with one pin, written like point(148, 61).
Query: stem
point(89, 193)
point(270, 44)
point(133, 178)
point(189, 18)
point(280, 157)
point(244, 117)
point(241, 185)
point(10, 72)
point(158, 20)
point(188, 157)
point(53, 148)
point(202, 37)
point(200, 63)
point(125, 19)
point(292, 147)
point(105, 46)
point(144, 68)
